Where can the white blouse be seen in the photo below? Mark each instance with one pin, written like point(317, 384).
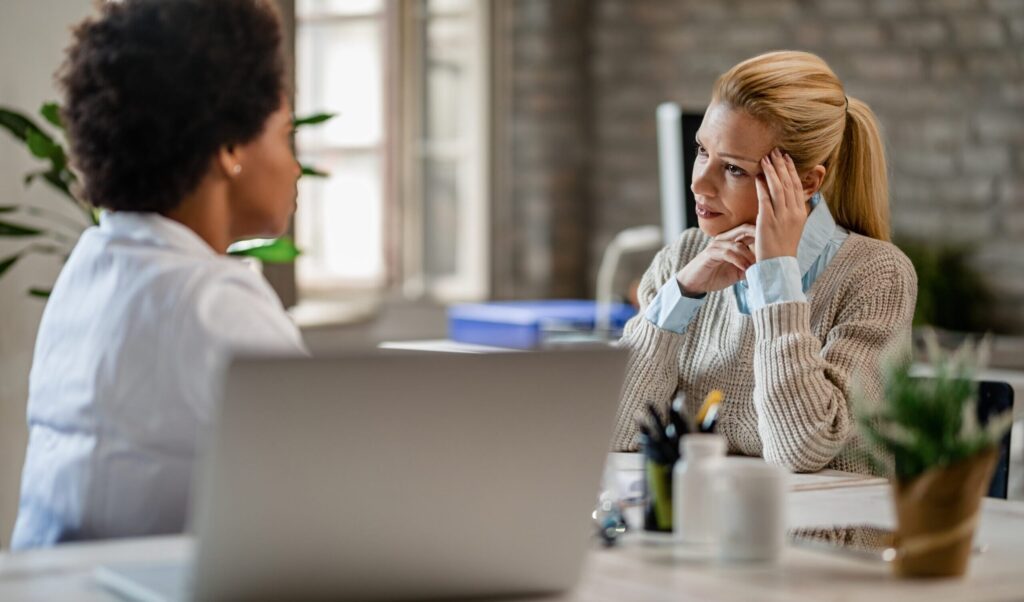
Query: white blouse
point(127, 367)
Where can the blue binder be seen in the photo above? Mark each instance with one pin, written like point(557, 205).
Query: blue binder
point(529, 324)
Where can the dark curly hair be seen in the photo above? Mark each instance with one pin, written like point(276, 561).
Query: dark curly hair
point(154, 87)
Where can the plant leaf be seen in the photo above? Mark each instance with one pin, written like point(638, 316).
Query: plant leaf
point(932, 422)
point(312, 172)
point(39, 292)
point(59, 180)
point(51, 113)
point(9, 229)
point(313, 119)
point(40, 144)
point(998, 425)
point(16, 123)
point(31, 176)
point(7, 263)
point(281, 250)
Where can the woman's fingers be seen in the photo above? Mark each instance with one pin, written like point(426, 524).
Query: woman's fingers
point(740, 232)
point(732, 253)
point(795, 185)
point(764, 200)
point(778, 181)
point(744, 249)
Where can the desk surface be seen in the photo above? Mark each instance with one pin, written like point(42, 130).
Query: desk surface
point(636, 572)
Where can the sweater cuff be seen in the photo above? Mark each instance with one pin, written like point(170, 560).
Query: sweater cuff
point(658, 344)
point(781, 319)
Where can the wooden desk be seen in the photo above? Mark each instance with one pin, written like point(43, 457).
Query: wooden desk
point(634, 572)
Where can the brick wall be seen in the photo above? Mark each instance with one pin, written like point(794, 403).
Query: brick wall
point(541, 234)
point(946, 78)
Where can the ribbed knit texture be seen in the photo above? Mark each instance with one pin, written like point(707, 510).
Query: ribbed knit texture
point(789, 370)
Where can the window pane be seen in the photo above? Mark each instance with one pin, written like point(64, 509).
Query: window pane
point(339, 67)
point(337, 7)
point(339, 222)
point(445, 73)
point(441, 216)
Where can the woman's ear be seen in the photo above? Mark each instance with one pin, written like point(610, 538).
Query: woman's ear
point(812, 180)
point(229, 161)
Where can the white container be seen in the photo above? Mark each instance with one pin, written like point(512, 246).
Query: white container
point(750, 499)
point(693, 519)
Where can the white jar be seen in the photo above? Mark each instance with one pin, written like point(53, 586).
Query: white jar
point(750, 500)
point(693, 519)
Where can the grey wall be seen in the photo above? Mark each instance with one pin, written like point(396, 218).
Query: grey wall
point(32, 36)
point(946, 78)
point(543, 153)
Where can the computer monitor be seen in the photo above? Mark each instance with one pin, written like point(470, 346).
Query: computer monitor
point(676, 132)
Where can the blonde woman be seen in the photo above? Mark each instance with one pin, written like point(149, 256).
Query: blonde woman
point(789, 289)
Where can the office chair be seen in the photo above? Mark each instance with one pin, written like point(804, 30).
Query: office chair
point(993, 399)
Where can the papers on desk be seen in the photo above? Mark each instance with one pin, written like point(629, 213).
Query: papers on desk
point(628, 468)
point(626, 461)
point(831, 479)
point(444, 346)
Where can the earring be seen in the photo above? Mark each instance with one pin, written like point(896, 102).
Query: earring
point(237, 169)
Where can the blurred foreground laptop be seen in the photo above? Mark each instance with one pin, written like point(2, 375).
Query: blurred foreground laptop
point(396, 476)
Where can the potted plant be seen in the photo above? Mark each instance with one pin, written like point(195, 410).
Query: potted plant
point(940, 454)
point(60, 233)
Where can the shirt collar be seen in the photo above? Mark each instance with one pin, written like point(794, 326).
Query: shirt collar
point(153, 228)
point(818, 231)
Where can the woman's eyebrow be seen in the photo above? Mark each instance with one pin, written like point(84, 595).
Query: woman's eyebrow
point(729, 155)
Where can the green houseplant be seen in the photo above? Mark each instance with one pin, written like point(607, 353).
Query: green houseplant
point(951, 293)
point(59, 234)
point(942, 456)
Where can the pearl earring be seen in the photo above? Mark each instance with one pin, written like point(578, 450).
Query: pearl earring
point(237, 169)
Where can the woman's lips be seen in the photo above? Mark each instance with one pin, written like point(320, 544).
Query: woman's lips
point(705, 213)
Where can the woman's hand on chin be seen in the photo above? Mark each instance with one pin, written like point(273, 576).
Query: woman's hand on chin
point(721, 264)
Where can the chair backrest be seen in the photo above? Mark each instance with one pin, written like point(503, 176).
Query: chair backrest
point(995, 398)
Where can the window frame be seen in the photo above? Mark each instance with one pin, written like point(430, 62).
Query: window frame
point(401, 154)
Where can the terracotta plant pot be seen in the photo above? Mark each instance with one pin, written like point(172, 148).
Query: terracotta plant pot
point(937, 513)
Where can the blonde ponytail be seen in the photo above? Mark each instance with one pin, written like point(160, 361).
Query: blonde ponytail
point(860, 185)
point(798, 95)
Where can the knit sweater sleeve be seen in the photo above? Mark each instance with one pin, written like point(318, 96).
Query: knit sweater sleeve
point(652, 372)
point(803, 387)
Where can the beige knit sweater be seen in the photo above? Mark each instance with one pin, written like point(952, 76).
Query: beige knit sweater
point(788, 371)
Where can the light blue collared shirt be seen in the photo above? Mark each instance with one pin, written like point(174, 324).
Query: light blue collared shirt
point(775, 280)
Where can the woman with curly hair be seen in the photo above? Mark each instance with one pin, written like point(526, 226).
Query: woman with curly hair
point(179, 125)
point(789, 291)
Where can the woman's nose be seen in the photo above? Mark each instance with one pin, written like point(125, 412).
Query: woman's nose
point(701, 184)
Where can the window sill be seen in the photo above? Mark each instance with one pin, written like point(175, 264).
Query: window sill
point(311, 314)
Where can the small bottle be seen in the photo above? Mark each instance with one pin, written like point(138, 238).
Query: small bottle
point(692, 487)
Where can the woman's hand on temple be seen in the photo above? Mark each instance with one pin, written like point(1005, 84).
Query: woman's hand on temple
point(782, 208)
point(721, 264)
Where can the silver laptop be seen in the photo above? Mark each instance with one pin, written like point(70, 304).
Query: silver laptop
point(397, 476)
